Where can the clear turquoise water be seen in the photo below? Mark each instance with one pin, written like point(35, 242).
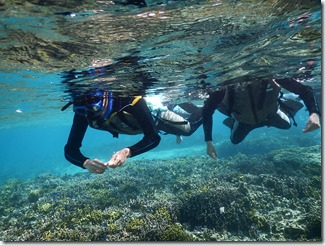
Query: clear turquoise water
point(178, 41)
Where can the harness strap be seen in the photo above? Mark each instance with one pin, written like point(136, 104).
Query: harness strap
point(121, 115)
point(124, 120)
point(231, 102)
point(262, 96)
point(108, 121)
point(252, 102)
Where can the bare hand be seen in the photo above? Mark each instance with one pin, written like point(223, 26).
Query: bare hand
point(312, 123)
point(95, 166)
point(211, 150)
point(118, 158)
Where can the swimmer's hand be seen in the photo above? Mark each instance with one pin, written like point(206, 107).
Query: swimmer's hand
point(119, 158)
point(95, 166)
point(211, 150)
point(312, 123)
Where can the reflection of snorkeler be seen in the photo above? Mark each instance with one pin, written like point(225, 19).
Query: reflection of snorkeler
point(131, 66)
point(127, 61)
point(138, 3)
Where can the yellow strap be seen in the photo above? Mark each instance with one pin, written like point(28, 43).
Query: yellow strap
point(137, 98)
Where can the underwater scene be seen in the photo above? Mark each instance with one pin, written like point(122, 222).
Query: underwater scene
point(161, 120)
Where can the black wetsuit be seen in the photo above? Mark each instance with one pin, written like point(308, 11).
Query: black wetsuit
point(80, 123)
point(215, 98)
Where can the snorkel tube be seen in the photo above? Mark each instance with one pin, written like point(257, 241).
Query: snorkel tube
point(67, 105)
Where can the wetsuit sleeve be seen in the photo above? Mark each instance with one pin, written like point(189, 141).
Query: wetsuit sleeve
point(72, 148)
point(306, 93)
point(210, 105)
point(151, 138)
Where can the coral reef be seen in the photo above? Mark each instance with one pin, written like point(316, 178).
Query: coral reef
point(267, 197)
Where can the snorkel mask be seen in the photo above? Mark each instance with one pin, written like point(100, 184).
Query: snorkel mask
point(92, 104)
point(92, 107)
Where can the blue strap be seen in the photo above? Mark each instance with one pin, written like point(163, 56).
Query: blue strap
point(109, 105)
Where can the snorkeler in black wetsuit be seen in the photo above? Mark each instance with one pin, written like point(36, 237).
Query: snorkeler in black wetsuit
point(251, 104)
point(99, 110)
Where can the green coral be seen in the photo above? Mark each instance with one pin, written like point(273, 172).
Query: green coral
point(103, 197)
point(44, 207)
point(33, 196)
point(135, 225)
point(175, 233)
point(112, 229)
point(295, 159)
point(162, 214)
point(47, 236)
point(258, 220)
point(113, 215)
